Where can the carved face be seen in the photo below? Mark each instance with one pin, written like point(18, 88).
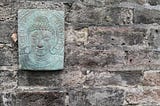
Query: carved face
point(41, 42)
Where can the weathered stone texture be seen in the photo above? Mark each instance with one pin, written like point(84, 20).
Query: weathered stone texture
point(151, 78)
point(117, 37)
point(8, 55)
point(6, 29)
point(143, 96)
point(146, 16)
point(64, 1)
point(154, 2)
point(26, 78)
point(101, 3)
point(8, 80)
point(74, 78)
point(113, 78)
point(112, 55)
point(40, 99)
point(9, 8)
point(97, 97)
point(109, 47)
point(89, 58)
point(7, 99)
point(81, 15)
point(1, 100)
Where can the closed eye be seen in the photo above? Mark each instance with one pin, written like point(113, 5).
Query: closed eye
point(34, 38)
point(46, 38)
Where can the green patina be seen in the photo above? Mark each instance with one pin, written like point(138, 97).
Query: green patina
point(41, 39)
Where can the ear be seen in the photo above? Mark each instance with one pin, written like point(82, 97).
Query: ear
point(27, 49)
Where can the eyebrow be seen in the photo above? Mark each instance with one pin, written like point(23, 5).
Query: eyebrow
point(33, 36)
point(46, 37)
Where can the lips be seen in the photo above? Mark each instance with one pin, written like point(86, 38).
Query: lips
point(40, 48)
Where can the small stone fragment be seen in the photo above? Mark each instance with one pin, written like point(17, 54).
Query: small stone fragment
point(14, 37)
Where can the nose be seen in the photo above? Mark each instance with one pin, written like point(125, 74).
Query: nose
point(40, 45)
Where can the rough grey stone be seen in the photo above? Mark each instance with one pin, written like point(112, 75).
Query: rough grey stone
point(154, 2)
point(82, 16)
point(35, 78)
point(143, 96)
point(91, 58)
point(9, 9)
point(112, 60)
point(97, 97)
point(151, 78)
point(6, 57)
point(8, 80)
point(6, 30)
point(102, 3)
point(73, 77)
point(5, 11)
point(121, 78)
point(1, 100)
point(131, 78)
point(146, 16)
point(40, 99)
point(106, 38)
point(38, 4)
point(64, 1)
point(99, 61)
point(154, 39)
point(154, 59)
point(7, 99)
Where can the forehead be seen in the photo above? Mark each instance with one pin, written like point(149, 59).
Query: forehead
point(41, 33)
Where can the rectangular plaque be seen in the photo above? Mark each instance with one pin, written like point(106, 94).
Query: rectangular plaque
point(41, 39)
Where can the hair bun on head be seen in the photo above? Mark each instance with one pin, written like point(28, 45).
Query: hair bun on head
point(40, 23)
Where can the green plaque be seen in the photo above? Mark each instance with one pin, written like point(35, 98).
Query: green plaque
point(41, 39)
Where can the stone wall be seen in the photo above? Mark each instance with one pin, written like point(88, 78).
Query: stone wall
point(112, 55)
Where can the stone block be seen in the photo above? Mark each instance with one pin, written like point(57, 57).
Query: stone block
point(112, 60)
point(134, 60)
point(5, 11)
point(51, 79)
point(6, 57)
point(57, 1)
point(92, 59)
point(73, 78)
point(121, 78)
point(151, 78)
point(154, 2)
point(153, 39)
point(105, 38)
point(96, 97)
point(102, 3)
point(40, 99)
point(82, 16)
point(7, 99)
point(146, 16)
point(143, 96)
point(37, 5)
point(115, 48)
point(1, 100)
point(9, 8)
point(8, 80)
point(154, 59)
point(6, 30)
point(76, 37)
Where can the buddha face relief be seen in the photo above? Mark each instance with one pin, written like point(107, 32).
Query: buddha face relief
point(41, 42)
point(41, 39)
